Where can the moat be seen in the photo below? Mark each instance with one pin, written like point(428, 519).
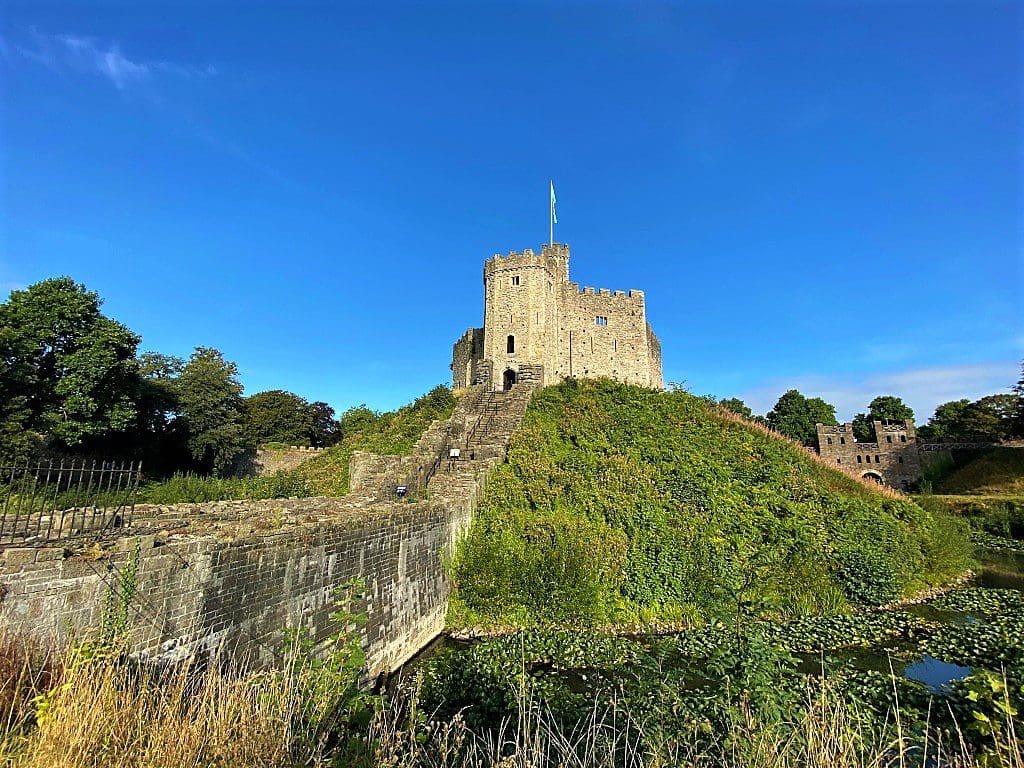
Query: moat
point(929, 643)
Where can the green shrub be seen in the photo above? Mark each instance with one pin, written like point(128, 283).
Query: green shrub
point(998, 515)
point(194, 489)
point(394, 433)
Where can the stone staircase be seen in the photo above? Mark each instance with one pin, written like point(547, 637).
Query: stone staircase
point(497, 415)
point(480, 427)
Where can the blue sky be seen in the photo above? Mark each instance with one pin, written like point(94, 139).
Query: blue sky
point(824, 195)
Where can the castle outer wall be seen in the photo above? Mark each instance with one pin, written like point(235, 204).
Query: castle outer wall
point(540, 328)
point(894, 458)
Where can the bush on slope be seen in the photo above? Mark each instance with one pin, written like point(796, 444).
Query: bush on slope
point(624, 504)
point(393, 433)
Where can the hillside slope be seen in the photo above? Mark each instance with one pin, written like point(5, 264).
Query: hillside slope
point(624, 504)
point(998, 471)
point(395, 433)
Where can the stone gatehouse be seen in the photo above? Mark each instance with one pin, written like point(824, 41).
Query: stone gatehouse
point(893, 459)
point(540, 328)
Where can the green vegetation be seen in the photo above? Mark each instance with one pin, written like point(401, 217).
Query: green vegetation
point(990, 418)
point(620, 504)
point(282, 418)
point(72, 383)
point(795, 416)
point(999, 515)
point(881, 408)
point(68, 372)
point(185, 488)
point(996, 471)
point(699, 687)
point(393, 433)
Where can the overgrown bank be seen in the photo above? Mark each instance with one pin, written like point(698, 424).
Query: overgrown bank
point(389, 433)
point(621, 504)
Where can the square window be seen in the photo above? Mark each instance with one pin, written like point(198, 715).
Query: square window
point(602, 321)
point(515, 279)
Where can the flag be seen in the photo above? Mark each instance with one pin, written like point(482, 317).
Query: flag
point(554, 217)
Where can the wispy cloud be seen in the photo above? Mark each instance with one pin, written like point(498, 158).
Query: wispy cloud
point(74, 53)
point(66, 54)
point(921, 388)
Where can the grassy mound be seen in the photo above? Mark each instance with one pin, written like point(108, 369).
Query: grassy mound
point(620, 504)
point(392, 433)
point(999, 471)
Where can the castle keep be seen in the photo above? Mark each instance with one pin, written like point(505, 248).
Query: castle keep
point(540, 328)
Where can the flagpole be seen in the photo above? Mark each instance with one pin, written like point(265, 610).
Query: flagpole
point(551, 215)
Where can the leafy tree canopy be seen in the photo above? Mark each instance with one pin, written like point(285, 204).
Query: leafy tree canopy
point(213, 409)
point(882, 408)
point(737, 406)
point(991, 418)
point(796, 416)
point(66, 370)
point(279, 416)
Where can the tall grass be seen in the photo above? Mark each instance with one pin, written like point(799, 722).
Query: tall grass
point(104, 712)
point(194, 489)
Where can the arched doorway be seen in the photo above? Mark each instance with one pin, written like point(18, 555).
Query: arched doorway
point(508, 380)
point(874, 476)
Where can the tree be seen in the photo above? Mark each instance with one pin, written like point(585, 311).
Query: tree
point(737, 406)
point(990, 418)
point(325, 429)
point(356, 419)
point(796, 416)
point(213, 410)
point(66, 371)
point(278, 416)
point(284, 417)
point(882, 408)
point(946, 422)
point(1018, 391)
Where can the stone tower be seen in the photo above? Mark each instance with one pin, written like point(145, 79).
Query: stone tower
point(540, 328)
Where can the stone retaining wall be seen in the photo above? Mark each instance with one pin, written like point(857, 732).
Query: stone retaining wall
point(197, 582)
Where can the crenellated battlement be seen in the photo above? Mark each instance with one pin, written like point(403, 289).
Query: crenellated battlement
point(599, 293)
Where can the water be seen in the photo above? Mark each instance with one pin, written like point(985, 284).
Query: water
point(1000, 570)
point(935, 673)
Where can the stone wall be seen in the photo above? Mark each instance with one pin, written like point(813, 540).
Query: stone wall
point(893, 458)
point(466, 356)
point(231, 576)
point(271, 460)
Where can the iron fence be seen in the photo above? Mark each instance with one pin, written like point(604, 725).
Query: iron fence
point(63, 499)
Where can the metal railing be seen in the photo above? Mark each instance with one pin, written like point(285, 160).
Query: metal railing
point(63, 499)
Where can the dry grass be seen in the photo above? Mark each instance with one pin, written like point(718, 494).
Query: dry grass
point(105, 713)
point(810, 453)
